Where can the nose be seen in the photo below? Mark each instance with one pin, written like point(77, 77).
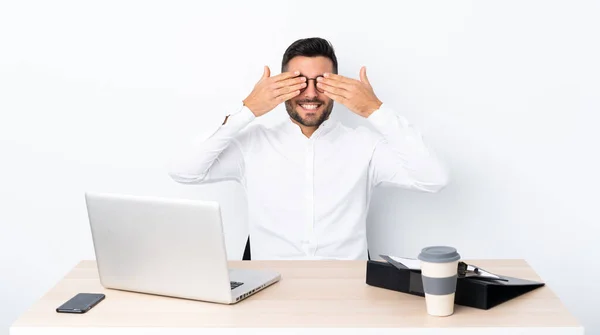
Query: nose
point(311, 89)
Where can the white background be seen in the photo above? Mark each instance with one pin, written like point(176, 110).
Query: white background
point(95, 96)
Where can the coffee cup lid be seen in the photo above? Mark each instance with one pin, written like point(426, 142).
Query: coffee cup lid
point(439, 254)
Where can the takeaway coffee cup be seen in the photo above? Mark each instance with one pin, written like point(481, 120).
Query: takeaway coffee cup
point(439, 271)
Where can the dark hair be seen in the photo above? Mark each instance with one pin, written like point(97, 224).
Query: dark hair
point(309, 47)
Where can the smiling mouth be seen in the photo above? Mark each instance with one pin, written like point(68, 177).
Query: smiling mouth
point(310, 107)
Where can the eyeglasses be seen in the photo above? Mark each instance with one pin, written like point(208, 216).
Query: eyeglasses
point(315, 80)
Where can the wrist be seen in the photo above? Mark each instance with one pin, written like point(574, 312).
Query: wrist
point(250, 107)
point(372, 108)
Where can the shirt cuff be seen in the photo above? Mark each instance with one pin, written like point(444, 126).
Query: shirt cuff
point(387, 120)
point(240, 119)
point(382, 117)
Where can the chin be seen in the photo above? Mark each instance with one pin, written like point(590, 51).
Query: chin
point(310, 116)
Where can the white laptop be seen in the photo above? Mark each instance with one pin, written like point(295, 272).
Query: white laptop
point(168, 247)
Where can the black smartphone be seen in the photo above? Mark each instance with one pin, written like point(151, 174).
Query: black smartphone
point(81, 303)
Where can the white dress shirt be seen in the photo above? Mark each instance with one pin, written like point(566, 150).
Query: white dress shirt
point(308, 198)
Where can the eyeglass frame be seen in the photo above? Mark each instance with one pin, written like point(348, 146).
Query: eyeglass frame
point(315, 80)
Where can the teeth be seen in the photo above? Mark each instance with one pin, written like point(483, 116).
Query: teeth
point(310, 106)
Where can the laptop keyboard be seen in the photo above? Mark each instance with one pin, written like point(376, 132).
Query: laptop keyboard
point(235, 284)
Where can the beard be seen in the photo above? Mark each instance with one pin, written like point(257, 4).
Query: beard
point(289, 107)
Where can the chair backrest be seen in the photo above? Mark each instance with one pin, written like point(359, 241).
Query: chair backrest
point(247, 256)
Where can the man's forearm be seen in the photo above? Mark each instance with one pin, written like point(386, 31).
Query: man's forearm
point(195, 162)
point(408, 150)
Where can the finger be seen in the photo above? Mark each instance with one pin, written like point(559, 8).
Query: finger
point(363, 75)
point(286, 97)
point(285, 75)
point(266, 73)
point(336, 97)
point(338, 84)
point(288, 89)
point(334, 90)
point(337, 77)
point(289, 82)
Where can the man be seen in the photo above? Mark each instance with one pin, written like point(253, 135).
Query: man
point(309, 180)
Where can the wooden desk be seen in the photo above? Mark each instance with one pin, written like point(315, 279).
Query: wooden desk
point(311, 294)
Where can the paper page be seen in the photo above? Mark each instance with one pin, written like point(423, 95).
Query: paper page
point(413, 264)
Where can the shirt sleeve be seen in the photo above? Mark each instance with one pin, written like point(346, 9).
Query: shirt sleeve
point(401, 157)
point(217, 157)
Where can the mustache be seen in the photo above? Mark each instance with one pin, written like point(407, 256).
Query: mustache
point(317, 101)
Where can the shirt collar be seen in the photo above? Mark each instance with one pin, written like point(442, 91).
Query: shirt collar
point(324, 128)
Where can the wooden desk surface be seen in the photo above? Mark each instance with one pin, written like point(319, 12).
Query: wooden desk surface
point(310, 294)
